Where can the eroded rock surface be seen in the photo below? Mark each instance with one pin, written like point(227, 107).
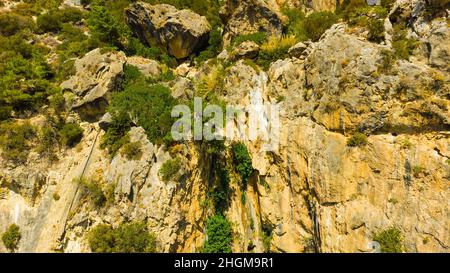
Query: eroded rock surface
point(180, 32)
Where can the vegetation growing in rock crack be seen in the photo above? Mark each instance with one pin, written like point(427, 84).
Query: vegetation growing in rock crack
point(357, 140)
point(92, 189)
point(390, 240)
point(11, 237)
point(219, 236)
point(243, 163)
point(132, 151)
point(133, 237)
point(169, 169)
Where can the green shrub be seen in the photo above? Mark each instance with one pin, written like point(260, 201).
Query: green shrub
point(243, 162)
point(131, 237)
point(318, 22)
point(405, 144)
point(376, 30)
point(53, 21)
point(169, 169)
point(11, 237)
point(387, 59)
point(25, 75)
point(116, 136)
point(93, 190)
point(219, 236)
point(267, 235)
point(56, 196)
point(390, 240)
point(48, 22)
point(48, 140)
point(150, 105)
point(274, 49)
point(295, 25)
point(131, 74)
point(311, 26)
point(136, 47)
point(15, 141)
point(12, 23)
point(71, 134)
point(402, 45)
point(105, 26)
point(5, 112)
point(132, 151)
point(257, 37)
point(418, 170)
point(357, 140)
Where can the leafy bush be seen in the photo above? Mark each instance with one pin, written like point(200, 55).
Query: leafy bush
point(295, 25)
point(274, 49)
point(71, 134)
point(390, 240)
point(132, 151)
point(149, 105)
point(376, 30)
point(48, 137)
point(402, 45)
point(388, 59)
point(93, 190)
point(56, 196)
point(257, 37)
point(318, 22)
point(11, 237)
point(116, 136)
point(53, 21)
point(267, 235)
point(219, 237)
point(169, 169)
point(132, 237)
point(24, 74)
point(15, 141)
point(357, 140)
point(311, 26)
point(12, 23)
point(105, 26)
point(243, 162)
point(48, 22)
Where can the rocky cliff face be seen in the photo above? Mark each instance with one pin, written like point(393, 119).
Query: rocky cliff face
point(315, 193)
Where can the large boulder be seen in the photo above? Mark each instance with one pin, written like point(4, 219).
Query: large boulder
point(249, 16)
point(97, 75)
point(180, 32)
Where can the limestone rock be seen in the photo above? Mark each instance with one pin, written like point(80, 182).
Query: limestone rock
point(247, 17)
point(246, 50)
point(105, 121)
point(297, 50)
point(182, 88)
point(180, 32)
point(97, 75)
point(150, 68)
point(439, 40)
